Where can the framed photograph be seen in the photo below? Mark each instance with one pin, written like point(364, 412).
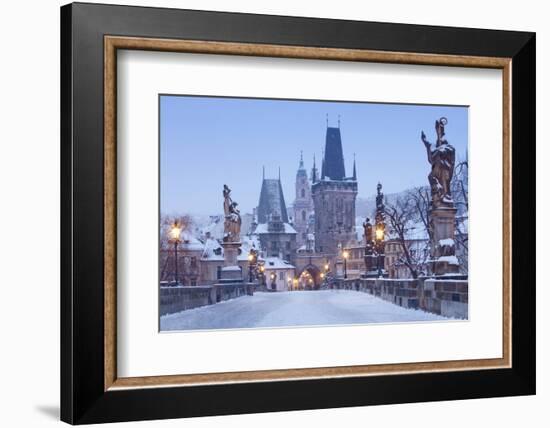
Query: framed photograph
point(265, 213)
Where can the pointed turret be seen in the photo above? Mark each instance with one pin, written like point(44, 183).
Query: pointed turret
point(334, 158)
point(354, 169)
point(272, 201)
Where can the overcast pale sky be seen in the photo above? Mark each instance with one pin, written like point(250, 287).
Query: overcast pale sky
point(206, 142)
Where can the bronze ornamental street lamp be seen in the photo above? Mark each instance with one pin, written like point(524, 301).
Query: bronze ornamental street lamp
point(379, 246)
point(273, 276)
point(175, 232)
point(262, 274)
point(345, 254)
point(252, 259)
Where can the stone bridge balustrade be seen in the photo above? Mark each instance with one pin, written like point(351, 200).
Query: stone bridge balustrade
point(176, 299)
point(446, 297)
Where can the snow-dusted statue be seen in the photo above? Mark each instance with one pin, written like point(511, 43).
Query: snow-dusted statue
point(367, 232)
point(232, 223)
point(442, 159)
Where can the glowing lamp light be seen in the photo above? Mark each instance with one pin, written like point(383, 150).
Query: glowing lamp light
point(250, 257)
point(322, 275)
point(346, 254)
point(262, 269)
point(379, 234)
point(175, 232)
point(326, 266)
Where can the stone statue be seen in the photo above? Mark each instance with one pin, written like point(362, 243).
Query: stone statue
point(442, 159)
point(232, 223)
point(367, 229)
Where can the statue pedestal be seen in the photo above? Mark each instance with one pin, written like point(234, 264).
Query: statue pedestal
point(370, 261)
point(442, 223)
point(231, 272)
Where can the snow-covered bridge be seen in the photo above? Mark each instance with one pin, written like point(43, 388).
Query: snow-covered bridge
point(297, 308)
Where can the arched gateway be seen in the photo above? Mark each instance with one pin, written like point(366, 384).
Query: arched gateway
point(309, 277)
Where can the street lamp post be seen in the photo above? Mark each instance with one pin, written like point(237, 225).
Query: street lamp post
point(251, 264)
point(345, 254)
point(262, 274)
point(175, 232)
point(273, 285)
point(379, 246)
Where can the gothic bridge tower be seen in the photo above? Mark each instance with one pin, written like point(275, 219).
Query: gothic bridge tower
point(334, 197)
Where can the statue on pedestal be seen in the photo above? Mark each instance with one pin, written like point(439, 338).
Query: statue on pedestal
point(442, 160)
point(442, 210)
point(232, 223)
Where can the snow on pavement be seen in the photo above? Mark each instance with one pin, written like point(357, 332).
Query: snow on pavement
point(295, 308)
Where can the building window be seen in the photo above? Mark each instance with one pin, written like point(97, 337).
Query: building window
point(282, 276)
point(288, 245)
point(193, 283)
point(193, 262)
point(218, 272)
point(303, 215)
point(274, 245)
point(303, 193)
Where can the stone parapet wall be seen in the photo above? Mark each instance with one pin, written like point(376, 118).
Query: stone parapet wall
point(443, 297)
point(446, 297)
point(176, 299)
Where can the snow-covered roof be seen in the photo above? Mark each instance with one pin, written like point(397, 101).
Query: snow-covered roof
point(189, 242)
point(212, 250)
point(277, 263)
point(263, 228)
point(462, 225)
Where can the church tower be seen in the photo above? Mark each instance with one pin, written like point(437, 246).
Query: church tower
point(334, 197)
point(303, 204)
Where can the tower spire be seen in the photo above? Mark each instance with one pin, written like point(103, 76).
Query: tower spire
point(327, 120)
point(314, 171)
point(323, 167)
point(354, 169)
point(301, 159)
point(279, 173)
point(338, 121)
point(263, 172)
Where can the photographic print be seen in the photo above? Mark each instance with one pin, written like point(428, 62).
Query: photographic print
point(293, 213)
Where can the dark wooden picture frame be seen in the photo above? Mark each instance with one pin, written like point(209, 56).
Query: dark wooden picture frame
point(90, 37)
